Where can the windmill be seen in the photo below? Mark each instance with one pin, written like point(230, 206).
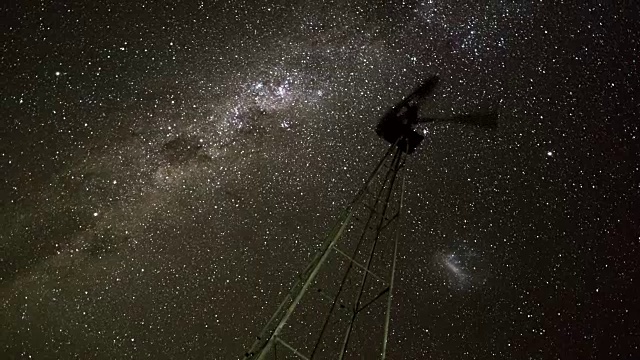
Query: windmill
point(340, 306)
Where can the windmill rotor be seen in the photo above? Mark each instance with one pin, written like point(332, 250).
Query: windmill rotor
point(398, 125)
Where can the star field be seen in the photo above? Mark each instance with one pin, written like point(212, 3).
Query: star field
point(168, 169)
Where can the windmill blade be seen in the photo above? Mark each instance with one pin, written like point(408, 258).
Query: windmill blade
point(416, 96)
point(422, 91)
point(488, 120)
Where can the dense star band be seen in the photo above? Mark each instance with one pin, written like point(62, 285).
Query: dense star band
point(166, 169)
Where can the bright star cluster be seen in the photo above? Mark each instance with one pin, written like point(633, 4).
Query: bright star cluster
point(168, 169)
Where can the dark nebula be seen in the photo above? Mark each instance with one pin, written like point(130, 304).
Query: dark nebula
point(168, 168)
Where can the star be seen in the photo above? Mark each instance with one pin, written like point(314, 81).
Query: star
point(176, 167)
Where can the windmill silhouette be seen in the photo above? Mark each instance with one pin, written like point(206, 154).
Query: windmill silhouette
point(340, 305)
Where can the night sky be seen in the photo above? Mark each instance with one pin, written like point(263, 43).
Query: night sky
point(167, 170)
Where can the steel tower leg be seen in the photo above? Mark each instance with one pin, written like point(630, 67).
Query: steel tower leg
point(379, 201)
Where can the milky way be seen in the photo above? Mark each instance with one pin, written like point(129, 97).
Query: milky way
point(167, 169)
